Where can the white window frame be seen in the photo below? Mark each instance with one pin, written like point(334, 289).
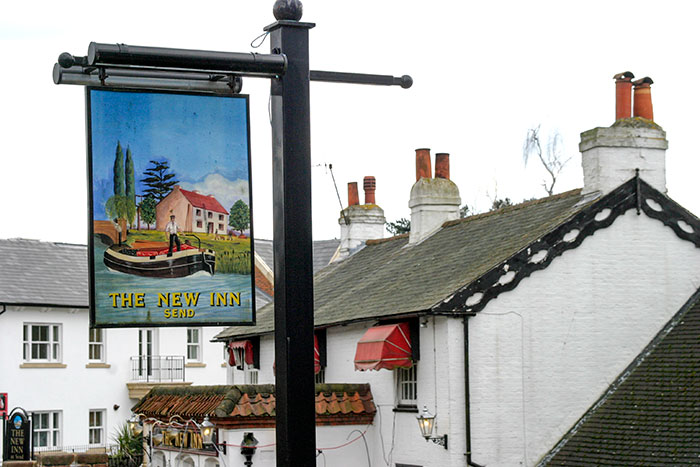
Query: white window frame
point(250, 373)
point(52, 344)
point(96, 426)
point(53, 428)
point(195, 345)
point(95, 346)
point(407, 386)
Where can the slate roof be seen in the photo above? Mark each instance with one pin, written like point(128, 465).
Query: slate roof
point(256, 404)
point(43, 273)
point(390, 278)
point(323, 251)
point(651, 414)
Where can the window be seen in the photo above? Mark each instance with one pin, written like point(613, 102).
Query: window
point(96, 347)
point(209, 215)
point(221, 217)
point(42, 342)
point(47, 429)
point(221, 226)
point(199, 224)
point(320, 377)
point(96, 427)
point(194, 344)
point(406, 386)
point(199, 212)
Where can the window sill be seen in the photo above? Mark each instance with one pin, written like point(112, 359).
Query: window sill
point(98, 365)
point(195, 365)
point(43, 365)
point(406, 408)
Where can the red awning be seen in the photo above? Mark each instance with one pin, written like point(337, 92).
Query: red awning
point(387, 346)
point(317, 356)
point(247, 348)
point(317, 359)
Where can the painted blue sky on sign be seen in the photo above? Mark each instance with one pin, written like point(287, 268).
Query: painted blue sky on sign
point(203, 138)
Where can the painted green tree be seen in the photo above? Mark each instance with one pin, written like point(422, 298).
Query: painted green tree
point(158, 180)
point(119, 183)
point(239, 216)
point(130, 182)
point(148, 210)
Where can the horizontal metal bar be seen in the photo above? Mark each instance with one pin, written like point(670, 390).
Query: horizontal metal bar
point(122, 54)
point(404, 81)
point(146, 79)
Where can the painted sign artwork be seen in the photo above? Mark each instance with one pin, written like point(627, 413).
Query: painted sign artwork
point(170, 209)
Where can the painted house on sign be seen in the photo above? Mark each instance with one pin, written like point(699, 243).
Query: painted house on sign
point(193, 211)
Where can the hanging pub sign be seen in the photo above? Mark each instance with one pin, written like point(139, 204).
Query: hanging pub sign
point(170, 241)
point(18, 435)
point(187, 440)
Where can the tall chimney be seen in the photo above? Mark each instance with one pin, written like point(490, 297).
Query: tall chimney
point(423, 169)
point(642, 98)
point(353, 196)
point(434, 201)
point(610, 155)
point(359, 223)
point(442, 165)
point(369, 184)
point(623, 94)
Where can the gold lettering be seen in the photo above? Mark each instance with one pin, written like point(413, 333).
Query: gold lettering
point(234, 296)
point(163, 298)
point(139, 299)
point(126, 300)
point(114, 299)
point(166, 313)
point(176, 299)
point(220, 299)
point(190, 313)
point(191, 299)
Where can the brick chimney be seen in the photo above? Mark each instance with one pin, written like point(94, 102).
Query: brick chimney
point(610, 155)
point(623, 94)
point(359, 222)
point(433, 200)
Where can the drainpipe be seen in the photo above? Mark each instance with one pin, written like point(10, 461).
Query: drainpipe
point(467, 409)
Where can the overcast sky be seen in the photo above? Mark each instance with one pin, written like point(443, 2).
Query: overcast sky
point(484, 73)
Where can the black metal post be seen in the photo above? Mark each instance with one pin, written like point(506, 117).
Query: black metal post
point(294, 305)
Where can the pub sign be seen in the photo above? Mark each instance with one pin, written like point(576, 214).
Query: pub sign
point(170, 239)
point(18, 437)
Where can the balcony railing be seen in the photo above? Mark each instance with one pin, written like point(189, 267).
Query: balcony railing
point(155, 369)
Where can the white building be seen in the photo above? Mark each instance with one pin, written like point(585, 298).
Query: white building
point(521, 319)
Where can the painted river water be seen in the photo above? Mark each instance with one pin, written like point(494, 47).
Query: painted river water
point(108, 281)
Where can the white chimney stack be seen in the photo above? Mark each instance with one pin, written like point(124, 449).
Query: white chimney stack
point(611, 155)
point(359, 222)
point(434, 201)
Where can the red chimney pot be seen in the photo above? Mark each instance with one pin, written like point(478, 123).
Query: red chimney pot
point(442, 165)
point(370, 185)
point(353, 197)
point(423, 168)
point(623, 94)
point(642, 98)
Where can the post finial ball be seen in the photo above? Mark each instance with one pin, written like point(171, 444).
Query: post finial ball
point(287, 10)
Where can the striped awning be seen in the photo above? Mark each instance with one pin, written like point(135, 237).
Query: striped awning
point(387, 346)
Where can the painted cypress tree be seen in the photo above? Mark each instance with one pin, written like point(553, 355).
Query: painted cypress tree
point(129, 172)
point(119, 184)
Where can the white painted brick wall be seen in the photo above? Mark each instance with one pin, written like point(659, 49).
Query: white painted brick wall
point(543, 353)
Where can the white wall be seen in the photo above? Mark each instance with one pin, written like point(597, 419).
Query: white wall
point(76, 389)
point(543, 353)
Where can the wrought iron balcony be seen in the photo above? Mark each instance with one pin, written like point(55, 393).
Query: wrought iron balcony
point(158, 369)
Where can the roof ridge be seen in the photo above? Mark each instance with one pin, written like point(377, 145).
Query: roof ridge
point(377, 241)
point(514, 207)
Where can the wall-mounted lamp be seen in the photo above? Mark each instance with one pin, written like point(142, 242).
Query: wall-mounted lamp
point(207, 429)
point(248, 447)
point(426, 423)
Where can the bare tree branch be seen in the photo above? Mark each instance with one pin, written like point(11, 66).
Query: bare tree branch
point(552, 159)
